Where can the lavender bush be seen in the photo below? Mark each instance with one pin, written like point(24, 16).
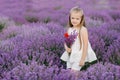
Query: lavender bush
point(35, 71)
point(107, 36)
point(102, 71)
point(38, 43)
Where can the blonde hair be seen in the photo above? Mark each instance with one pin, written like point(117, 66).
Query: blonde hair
point(82, 22)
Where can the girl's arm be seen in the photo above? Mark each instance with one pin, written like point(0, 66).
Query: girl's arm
point(84, 35)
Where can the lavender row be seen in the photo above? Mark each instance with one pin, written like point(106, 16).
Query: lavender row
point(35, 71)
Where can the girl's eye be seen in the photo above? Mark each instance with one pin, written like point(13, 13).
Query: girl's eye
point(72, 18)
point(77, 18)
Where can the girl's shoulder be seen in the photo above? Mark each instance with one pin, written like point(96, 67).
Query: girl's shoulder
point(84, 29)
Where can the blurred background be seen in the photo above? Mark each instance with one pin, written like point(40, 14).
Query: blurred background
point(46, 11)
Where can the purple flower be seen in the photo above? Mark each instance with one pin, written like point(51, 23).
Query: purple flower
point(69, 39)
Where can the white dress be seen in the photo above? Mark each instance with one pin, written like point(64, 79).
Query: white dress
point(76, 53)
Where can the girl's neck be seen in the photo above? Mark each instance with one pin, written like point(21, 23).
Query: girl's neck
point(76, 27)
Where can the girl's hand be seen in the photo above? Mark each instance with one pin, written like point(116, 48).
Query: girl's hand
point(81, 63)
point(67, 49)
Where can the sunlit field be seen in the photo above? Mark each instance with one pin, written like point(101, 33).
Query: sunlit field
point(31, 39)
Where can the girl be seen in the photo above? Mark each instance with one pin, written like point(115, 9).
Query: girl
point(80, 51)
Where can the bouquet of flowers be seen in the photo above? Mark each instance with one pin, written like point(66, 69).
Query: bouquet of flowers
point(69, 39)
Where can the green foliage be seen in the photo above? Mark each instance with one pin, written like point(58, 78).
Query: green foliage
point(32, 19)
point(2, 25)
point(46, 20)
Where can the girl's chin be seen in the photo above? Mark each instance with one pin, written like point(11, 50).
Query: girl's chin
point(75, 25)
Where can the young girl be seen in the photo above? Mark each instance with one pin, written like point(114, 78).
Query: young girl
point(80, 51)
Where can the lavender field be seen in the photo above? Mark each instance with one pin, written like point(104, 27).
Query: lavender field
point(31, 39)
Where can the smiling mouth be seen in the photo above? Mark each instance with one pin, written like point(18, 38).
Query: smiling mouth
point(74, 23)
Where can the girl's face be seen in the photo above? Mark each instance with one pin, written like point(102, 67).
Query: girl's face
point(75, 18)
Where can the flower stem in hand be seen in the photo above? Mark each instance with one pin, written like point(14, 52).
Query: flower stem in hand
point(67, 49)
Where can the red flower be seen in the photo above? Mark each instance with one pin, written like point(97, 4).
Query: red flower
point(66, 35)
